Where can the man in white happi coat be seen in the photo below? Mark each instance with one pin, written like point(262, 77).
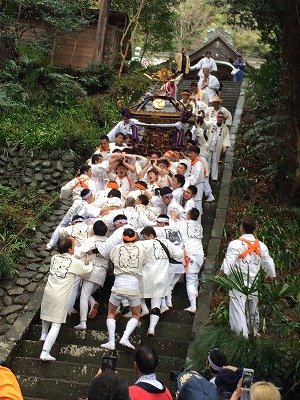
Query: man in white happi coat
point(218, 141)
point(104, 148)
point(155, 279)
point(134, 218)
point(100, 169)
point(209, 83)
point(176, 268)
point(79, 231)
point(129, 259)
point(199, 98)
point(196, 175)
point(192, 233)
point(140, 187)
point(63, 269)
point(204, 157)
point(211, 112)
point(125, 176)
point(120, 223)
point(178, 182)
point(142, 207)
point(205, 62)
point(170, 204)
point(126, 126)
point(74, 188)
point(88, 249)
point(247, 255)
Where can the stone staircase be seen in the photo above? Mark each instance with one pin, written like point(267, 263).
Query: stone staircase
point(230, 93)
point(79, 354)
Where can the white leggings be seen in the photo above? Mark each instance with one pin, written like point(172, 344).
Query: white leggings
point(88, 288)
point(75, 291)
point(192, 283)
point(52, 334)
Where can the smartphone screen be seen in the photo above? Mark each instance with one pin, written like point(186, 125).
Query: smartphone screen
point(247, 378)
point(109, 362)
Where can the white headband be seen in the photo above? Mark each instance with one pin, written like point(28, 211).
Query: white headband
point(120, 221)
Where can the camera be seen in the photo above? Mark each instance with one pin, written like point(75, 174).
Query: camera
point(247, 378)
point(152, 161)
point(109, 362)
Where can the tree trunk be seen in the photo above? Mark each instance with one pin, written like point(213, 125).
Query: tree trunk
point(290, 80)
point(134, 20)
point(103, 16)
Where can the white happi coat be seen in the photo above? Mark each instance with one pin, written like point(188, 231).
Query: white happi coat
point(173, 234)
point(213, 86)
point(251, 263)
point(239, 314)
point(155, 279)
point(145, 210)
point(58, 290)
point(121, 127)
point(115, 239)
point(98, 262)
point(79, 231)
point(99, 174)
point(223, 138)
point(76, 185)
point(192, 234)
point(196, 177)
point(205, 63)
point(129, 260)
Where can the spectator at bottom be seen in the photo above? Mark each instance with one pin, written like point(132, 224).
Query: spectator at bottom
point(147, 387)
point(108, 385)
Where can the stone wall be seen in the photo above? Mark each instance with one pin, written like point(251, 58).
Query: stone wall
point(18, 169)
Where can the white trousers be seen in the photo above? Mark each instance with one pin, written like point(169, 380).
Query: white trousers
point(52, 334)
point(243, 314)
point(192, 284)
point(75, 292)
point(207, 187)
point(214, 166)
point(88, 288)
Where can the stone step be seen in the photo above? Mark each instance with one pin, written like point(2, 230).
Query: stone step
point(92, 337)
point(69, 350)
point(84, 370)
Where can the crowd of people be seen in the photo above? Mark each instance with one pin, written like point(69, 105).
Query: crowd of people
point(138, 218)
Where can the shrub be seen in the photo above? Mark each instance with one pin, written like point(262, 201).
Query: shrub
point(7, 270)
point(97, 78)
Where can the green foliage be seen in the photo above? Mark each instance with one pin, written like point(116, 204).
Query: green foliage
point(263, 87)
point(7, 270)
point(240, 186)
point(96, 78)
point(278, 228)
point(220, 314)
point(18, 209)
point(57, 16)
point(266, 356)
point(45, 126)
point(266, 16)
point(32, 79)
point(156, 25)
